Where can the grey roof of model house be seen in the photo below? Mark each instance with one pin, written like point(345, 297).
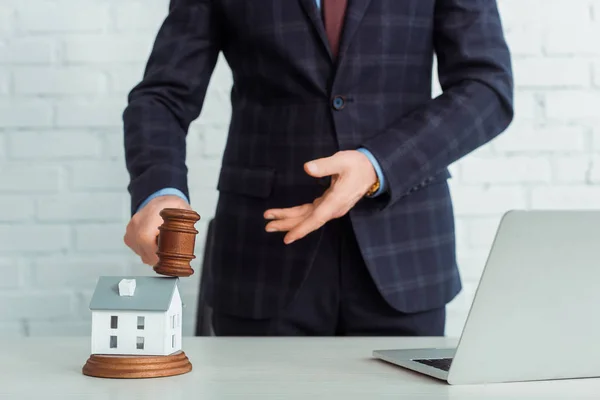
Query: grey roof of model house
point(151, 294)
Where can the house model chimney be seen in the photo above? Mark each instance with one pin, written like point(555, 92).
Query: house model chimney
point(126, 287)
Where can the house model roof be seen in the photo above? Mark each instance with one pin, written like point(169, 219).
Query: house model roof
point(149, 293)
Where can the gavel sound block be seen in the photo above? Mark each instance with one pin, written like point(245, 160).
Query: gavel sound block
point(176, 242)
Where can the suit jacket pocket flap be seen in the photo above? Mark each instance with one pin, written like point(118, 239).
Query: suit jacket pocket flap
point(248, 181)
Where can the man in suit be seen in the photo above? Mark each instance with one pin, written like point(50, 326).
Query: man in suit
point(334, 214)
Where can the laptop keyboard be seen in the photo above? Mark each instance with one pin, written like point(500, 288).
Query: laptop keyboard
point(439, 363)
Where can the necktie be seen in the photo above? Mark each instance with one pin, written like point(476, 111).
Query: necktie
point(333, 15)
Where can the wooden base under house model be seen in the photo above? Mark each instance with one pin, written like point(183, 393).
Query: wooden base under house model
point(136, 328)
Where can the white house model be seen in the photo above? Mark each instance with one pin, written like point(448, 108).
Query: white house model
point(136, 316)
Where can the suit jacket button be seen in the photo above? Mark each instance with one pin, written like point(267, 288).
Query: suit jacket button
point(338, 102)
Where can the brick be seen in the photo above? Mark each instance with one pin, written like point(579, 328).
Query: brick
point(205, 200)
point(572, 106)
point(60, 328)
point(10, 269)
point(216, 111)
point(19, 305)
point(90, 115)
point(54, 145)
point(98, 49)
point(191, 284)
point(137, 268)
point(527, 106)
point(21, 178)
point(561, 13)
point(11, 330)
point(86, 207)
point(596, 138)
point(4, 82)
point(3, 146)
point(59, 80)
point(471, 262)
point(501, 170)
point(141, 15)
point(82, 304)
point(113, 146)
point(74, 271)
point(597, 74)
point(30, 50)
point(525, 40)
point(465, 298)
point(124, 77)
point(458, 310)
point(461, 231)
point(214, 139)
point(7, 19)
point(520, 13)
point(204, 173)
point(101, 237)
point(25, 114)
point(195, 143)
point(99, 175)
point(190, 309)
point(572, 39)
point(66, 17)
point(593, 170)
point(16, 208)
point(32, 238)
point(474, 201)
point(579, 197)
point(529, 138)
point(573, 169)
point(482, 231)
point(552, 73)
point(455, 321)
point(221, 79)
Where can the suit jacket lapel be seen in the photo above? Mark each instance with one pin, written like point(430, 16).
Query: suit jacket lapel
point(313, 13)
point(354, 15)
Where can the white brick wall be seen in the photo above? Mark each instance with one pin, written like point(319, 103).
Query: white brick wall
point(65, 69)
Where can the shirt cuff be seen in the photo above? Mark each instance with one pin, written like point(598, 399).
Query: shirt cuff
point(378, 170)
point(163, 192)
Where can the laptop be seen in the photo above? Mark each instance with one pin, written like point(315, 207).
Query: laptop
point(536, 312)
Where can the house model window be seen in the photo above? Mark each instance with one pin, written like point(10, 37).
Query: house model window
point(140, 343)
point(114, 322)
point(113, 342)
point(141, 322)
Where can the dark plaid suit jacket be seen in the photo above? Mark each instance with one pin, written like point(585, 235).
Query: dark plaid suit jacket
point(285, 113)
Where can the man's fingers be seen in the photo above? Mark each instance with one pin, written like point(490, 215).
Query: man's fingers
point(149, 258)
point(285, 213)
point(310, 224)
point(319, 217)
point(323, 167)
point(146, 246)
point(284, 225)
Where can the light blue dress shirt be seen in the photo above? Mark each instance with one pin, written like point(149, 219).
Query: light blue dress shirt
point(177, 192)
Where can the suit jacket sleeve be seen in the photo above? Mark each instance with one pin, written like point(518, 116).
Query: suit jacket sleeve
point(169, 97)
point(475, 73)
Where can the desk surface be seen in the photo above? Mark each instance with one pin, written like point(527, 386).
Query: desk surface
point(255, 368)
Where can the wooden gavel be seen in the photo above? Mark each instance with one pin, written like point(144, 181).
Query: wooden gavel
point(176, 241)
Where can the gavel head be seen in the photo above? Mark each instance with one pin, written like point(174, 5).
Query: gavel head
point(176, 242)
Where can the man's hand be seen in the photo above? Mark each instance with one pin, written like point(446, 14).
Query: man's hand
point(352, 175)
point(142, 230)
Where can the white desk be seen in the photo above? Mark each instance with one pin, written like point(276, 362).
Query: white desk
point(270, 368)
